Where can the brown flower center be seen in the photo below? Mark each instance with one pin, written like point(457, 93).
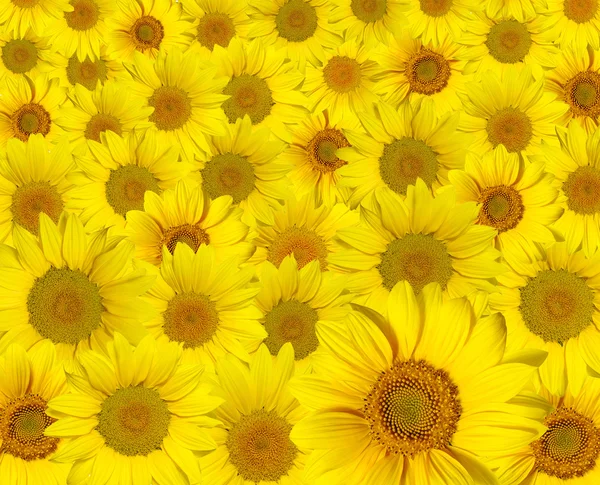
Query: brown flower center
point(31, 199)
point(436, 8)
point(29, 119)
point(501, 207)
point(508, 41)
point(147, 33)
point(25, 3)
point(172, 108)
point(99, 123)
point(215, 28)
point(582, 189)
point(228, 174)
point(369, 10)
point(321, 150)
point(85, 15)
point(19, 55)
point(126, 187)
point(580, 11)
point(427, 72)
point(189, 234)
point(582, 94)
point(250, 95)
point(342, 74)
point(511, 127)
point(296, 21)
point(304, 244)
point(190, 318)
point(87, 73)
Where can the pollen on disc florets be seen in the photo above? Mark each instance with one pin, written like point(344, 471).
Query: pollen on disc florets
point(215, 28)
point(427, 72)
point(19, 55)
point(172, 108)
point(582, 94)
point(147, 33)
point(190, 318)
point(369, 10)
point(85, 15)
point(87, 73)
point(32, 198)
point(511, 128)
point(296, 20)
point(342, 74)
point(100, 123)
point(190, 234)
point(228, 174)
point(126, 186)
point(304, 244)
point(250, 95)
point(413, 408)
point(501, 207)
point(582, 189)
point(580, 11)
point(321, 150)
point(436, 8)
point(508, 41)
point(29, 119)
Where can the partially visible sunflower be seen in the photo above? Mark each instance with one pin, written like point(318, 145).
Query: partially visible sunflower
point(115, 175)
point(135, 415)
point(88, 73)
point(18, 16)
point(521, 10)
point(574, 22)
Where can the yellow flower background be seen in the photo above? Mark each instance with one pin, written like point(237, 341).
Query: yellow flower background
point(299, 242)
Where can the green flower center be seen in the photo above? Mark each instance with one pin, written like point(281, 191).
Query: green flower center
point(582, 93)
point(321, 150)
point(147, 33)
point(427, 72)
point(172, 108)
point(228, 174)
point(501, 207)
point(296, 21)
point(250, 95)
point(19, 55)
point(29, 119)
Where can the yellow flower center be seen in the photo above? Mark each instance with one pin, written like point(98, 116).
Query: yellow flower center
point(126, 186)
point(215, 28)
point(510, 127)
point(31, 199)
point(501, 207)
point(342, 74)
point(228, 174)
point(19, 55)
point(87, 73)
point(172, 108)
point(580, 11)
point(436, 8)
point(427, 72)
point(99, 123)
point(250, 95)
point(369, 10)
point(85, 15)
point(147, 33)
point(508, 41)
point(582, 94)
point(190, 318)
point(321, 150)
point(304, 244)
point(296, 21)
point(29, 119)
point(189, 234)
point(413, 408)
point(582, 189)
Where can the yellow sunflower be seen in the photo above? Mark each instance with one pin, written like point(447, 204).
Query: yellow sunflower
point(29, 106)
point(553, 304)
point(185, 214)
point(301, 27)
point(185, 95)
point(516, 199)
point(114, 176)
point(261, 84)
point(134, 416)
point(29, 381)
point(146, 26)
point(574, 22)
point(509, 108)
point(207, 308)
point(109, 107)
point(33, 179)
point(304, 229)
point(414, 397)
point(344, 84)
point(81, 31)
point(258, 413)
point(243, 165)
point(413, 70)
point(88, 73)
point(399, 147)
point(20, 15)
point(312, 153)
point(421, 239)
point(68, 286)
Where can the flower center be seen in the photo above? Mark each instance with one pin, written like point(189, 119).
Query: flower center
point(501, 207)
point(126, 186)
point(511, 127)
point(99, 123)
point(321, 150)
point(147, 33)
point(556, 305)
point(250, 95)
point(417, 258)
point(580, 11)
point(84, 16)
point(25, 3)
point(427, 72)
point(508, 41)
point(64, 306)
point(369, 10)
point(569, 448)
point(31, 199)
point(342, 74)
point(86, 73)
point(134, 421)
point(296, 21)
point(172, 108)
point(260, 447)
point(582, 93)
point(215, 28)
point(304, 244)
point(22, 424)
point(189, 234)
point(29, 119)
point(413, 408)
point(292, 321)
point(436, 8)
point(19, 55)
point(190, 318)
point(228, 174)
point(582, 189)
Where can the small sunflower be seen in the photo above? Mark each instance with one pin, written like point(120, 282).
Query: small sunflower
point(261, 85)
point(258, 413)
point(511, 109)
point(18, 16)
point(137, 413)
point(421, 394)
point(185, 95)
point(29, 381)
point(115, 175)
point(146, 26)
point(400, 147)
point(574, 22)
point(186, 214)
point(243, 165)
point(421, 239)
point(89, 72)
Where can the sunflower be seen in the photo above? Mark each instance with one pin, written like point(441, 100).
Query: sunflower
point(29, 106)
point(574, 22)
point(29, 381)
point(516, 199)
point(421, 239)
point(304, 229)
point(20, 15)
point(301, 27)
point(253, 443)
point(81, 31)
point(243, 165)
point(114, 176)
point(552, 304)
point(134, 416)
point(261, 85)
point(33, 180)
point(146, 26)
point(400, 147)
point(521, 10)
point(185, 95)
point(185, 214)
point(68, 287)
point(344, 84)
point(312, 153)
point(511, 109)
point(89, 72)
point(420, 394)
point(207, 308)
point(107, 108)
point(413, 70)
